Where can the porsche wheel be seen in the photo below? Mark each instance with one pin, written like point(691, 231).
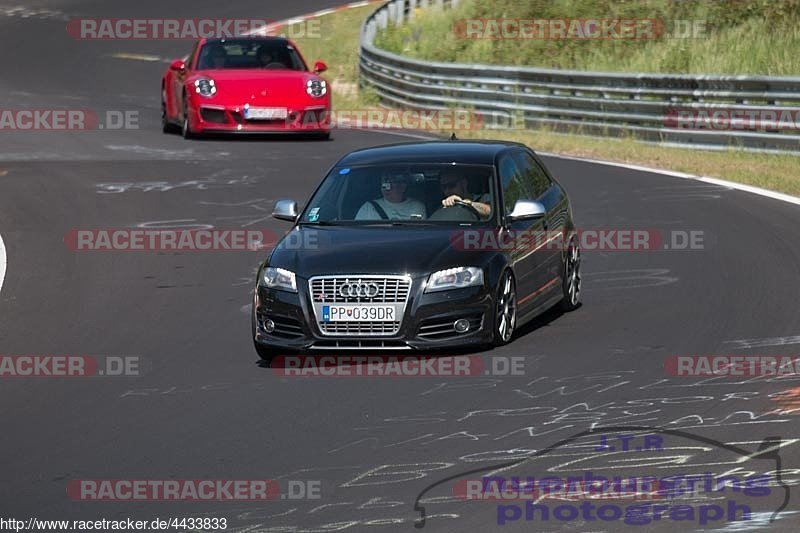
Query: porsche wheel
point(186, 129)
point(166, 125)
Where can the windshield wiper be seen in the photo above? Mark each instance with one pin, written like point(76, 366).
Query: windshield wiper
point(396, 223)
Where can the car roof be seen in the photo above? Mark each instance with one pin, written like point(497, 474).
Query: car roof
point(273, 38)
point(460, 152)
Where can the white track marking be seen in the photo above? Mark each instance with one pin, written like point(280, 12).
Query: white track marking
point(3, 262)
point(139, 57)
point(715, 181)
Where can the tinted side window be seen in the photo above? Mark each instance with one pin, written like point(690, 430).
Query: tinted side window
point(512, 183)
point(533, 175)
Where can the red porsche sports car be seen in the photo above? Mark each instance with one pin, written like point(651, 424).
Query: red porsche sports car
point(245, 85)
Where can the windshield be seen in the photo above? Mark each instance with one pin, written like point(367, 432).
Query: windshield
point(250, 54)
point(411, 194)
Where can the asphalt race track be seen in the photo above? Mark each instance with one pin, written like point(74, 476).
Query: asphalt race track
point(204, 408)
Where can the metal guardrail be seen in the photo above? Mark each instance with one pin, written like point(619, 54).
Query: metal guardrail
point(645, 106)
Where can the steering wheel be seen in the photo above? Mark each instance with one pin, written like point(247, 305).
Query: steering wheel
point(274, 65)
point(469, 207)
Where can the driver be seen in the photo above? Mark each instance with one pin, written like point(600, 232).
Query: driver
point(267, 59)
point(393, 204)
point(216, 56)
point(456, 189)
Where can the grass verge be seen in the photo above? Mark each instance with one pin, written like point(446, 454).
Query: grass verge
point(689, 36)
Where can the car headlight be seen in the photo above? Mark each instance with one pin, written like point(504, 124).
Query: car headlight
point(317, 88)
point(454, 278)
point(278, 278)
point(205, 87)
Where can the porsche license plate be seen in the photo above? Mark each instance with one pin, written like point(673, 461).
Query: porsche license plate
point(265, 113)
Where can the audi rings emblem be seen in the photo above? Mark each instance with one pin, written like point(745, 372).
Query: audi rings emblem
point(359, 290)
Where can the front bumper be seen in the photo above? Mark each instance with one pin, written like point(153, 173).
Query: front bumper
point(213, 118)
point(427, 322)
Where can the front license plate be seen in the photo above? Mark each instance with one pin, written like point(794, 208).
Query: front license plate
point(265, 113)
point(358, 313)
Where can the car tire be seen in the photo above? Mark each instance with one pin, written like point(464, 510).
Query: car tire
point(571, 280)
point(186, 129)
point(166, 125)
point(505, 310)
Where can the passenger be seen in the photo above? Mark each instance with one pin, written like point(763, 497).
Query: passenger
point(215, 57)
point(393, 205)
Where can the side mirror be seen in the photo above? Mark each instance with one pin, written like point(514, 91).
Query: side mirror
point(320, 67)
point(178, 65)
point(526, 210)
point(285, 210)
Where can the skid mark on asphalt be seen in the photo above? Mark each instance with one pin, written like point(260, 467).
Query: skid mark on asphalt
point(25, 12)
point(215, 181)
point(788, 400)
point(628, 279)
point(146, 150)
point(743, 344)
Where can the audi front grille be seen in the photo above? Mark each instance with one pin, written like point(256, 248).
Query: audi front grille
point(326, 290)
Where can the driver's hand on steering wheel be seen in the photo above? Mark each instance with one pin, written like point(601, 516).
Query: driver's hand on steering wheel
point(451, 200)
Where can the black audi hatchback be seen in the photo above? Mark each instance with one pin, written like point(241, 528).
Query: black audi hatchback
point(419, 246)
